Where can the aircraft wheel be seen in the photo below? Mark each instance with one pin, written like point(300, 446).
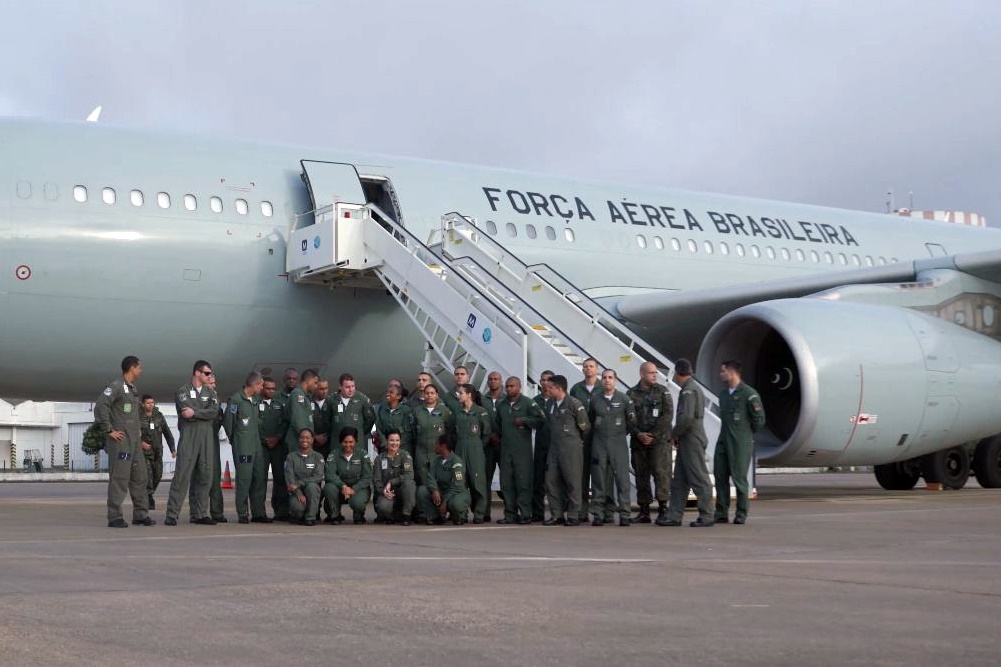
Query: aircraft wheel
point(899, 476)
point(987, 463)
point(950, 467)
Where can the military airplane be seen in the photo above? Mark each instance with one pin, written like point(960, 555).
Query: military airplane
point(873, 339)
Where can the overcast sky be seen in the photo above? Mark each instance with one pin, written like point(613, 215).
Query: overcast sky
point(823, 102)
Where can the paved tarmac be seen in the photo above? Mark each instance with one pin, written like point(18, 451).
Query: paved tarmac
point(829, 570)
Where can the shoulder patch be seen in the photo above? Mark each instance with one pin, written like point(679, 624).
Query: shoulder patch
point(233, 408)
point(107, 391)
point(300, 398)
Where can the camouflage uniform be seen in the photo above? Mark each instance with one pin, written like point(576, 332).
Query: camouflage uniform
point(654, 411)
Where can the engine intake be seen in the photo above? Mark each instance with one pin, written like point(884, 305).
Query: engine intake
point(857, 384)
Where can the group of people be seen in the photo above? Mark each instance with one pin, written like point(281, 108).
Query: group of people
point(435, 453)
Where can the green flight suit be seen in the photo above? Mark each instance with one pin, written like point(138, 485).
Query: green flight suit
point(515, 421)
point(272, 418)
point(194, 451)
point(582, 394)
point(153, 431)
point(323, 421)
point(243, 430)
point(690, 470)
point(300, 416)
point(356, 412)
point(451, 401)
point(568, 428)
point(472, 430)
point(540, 455)
point(401, 419)
point(492, 448)
point(429, 425)
point(654, 412)
point(306, 472)
point(448, 477)
point(612, 420)
point(216, 510)
point(398, 472)
point(741, 415)
point(117, 409)
point(356, 473)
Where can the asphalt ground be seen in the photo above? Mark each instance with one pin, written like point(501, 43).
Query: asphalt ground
point(829, 570)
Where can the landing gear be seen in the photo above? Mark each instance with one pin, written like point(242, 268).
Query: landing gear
point(900, 476)
point(950, 467)
point(987, 462)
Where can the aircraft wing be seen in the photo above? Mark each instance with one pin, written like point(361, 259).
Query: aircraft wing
point(676, 322)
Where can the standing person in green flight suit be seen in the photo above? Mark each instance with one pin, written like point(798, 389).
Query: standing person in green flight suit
point(273, 422)
point(613, 418)
point(154, 430)
point(431, 421)
point(517, 416)
point(741, 415)
point(540, 453)
point(240, 422)
point(689, 438)
point(300, 410)
point(472, 432)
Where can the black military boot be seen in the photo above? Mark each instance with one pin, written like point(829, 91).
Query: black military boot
point(662, 519)
point(644, 515)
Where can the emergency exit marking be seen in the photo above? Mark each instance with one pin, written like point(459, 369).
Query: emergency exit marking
point(23, 272)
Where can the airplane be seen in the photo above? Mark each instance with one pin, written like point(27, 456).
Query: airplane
point(873, 339)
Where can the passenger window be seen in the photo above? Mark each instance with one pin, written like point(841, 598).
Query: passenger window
point(739, 248)
point(80, 193)
point(709, 247)
point(800, 255)
point(856, 261)
point(190, 202)
point(641, 240)
point(531, 231)
point(692, 246)
point(511, 230)
point(108, 196)
point(267, 210)
point(215, 204)
point(868, 260)
point(675, 245)
point(724, 249)
point(785, 253)
point(491, 228)
point(755, 251)
point(550, 233)
point(241, 206)
point(814, 257)
point(50, 191)
point(568, 234)
point(24, 189)
point(658, 243)
point(136, 197)
point(842, 259)
point(882, 260)
point(163, 200)
point(770, 252)
point(828, 257)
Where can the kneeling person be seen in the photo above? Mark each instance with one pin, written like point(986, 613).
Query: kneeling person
point(349, 476)
point(393, 479)
point(304, 473)
point(446, 489)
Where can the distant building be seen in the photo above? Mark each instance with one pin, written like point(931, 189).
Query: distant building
point(954, 217)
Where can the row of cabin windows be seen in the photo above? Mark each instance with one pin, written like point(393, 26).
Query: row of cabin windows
point(710, 247)
point(110, 196)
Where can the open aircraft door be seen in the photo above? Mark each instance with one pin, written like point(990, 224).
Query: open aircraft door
point(331, 182)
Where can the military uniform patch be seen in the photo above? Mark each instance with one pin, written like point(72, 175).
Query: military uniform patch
point(107, 392)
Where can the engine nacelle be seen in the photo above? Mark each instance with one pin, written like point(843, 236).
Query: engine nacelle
point(857, 384)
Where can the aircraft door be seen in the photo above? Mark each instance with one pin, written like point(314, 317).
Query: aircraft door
point(330, 182)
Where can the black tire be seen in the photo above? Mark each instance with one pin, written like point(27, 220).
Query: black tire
point(900, 476)
point(987, 463)
point(949, 467)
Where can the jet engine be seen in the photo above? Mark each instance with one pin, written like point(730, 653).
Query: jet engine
point(858, 384)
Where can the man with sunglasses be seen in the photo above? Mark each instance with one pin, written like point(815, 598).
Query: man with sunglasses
point(197, 410)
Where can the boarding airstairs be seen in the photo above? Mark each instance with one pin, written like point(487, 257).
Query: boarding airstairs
point(474, 302)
